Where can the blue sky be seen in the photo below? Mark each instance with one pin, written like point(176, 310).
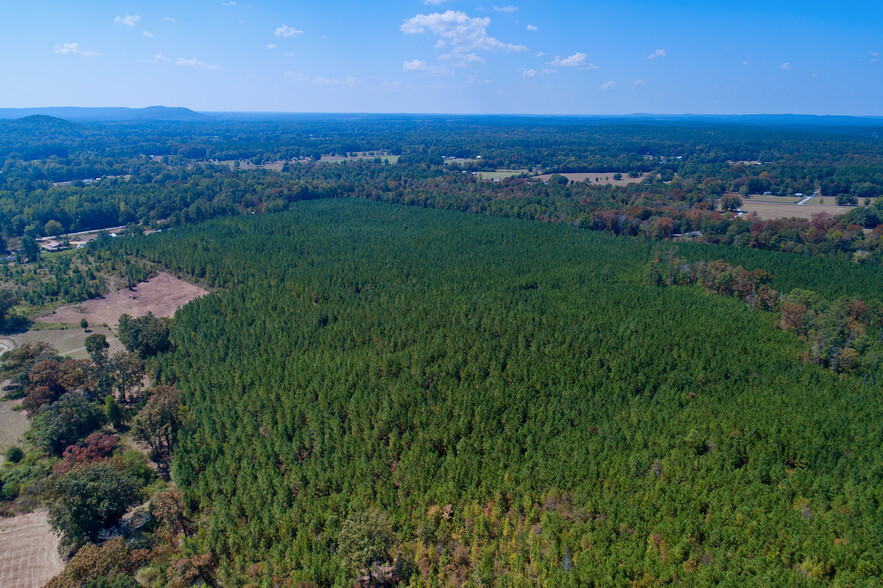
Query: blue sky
point(555, 57)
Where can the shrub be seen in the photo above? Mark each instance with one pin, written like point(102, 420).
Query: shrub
point(14, 454)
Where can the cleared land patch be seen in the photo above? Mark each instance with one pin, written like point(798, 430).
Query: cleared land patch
point(162, 295)
point(28, 551)
point(596, 178)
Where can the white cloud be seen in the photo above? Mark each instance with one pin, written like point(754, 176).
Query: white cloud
point(875, 56)
point(459, 31)
point(607, 85)
point(127, 20)
point(434, 2)
point(785, 66)
point(541, 54)
point(289, 54)
point(231, 3)
point(637, 83)
point(416, 65)
point(576, 60)
point(271, 46)
point(160, 57)
point(532, 28)
point(146, 34)
point(658, 53)
point(193, 62)
point(169, 19)
point(506, 8)
point(529, 73)
point(73, 48)
point(744, 63)
point(287, 31)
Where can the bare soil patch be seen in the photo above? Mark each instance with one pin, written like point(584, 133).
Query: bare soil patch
point(772, 211)
point(596, 178)
point(28, 551)
point(161, 295)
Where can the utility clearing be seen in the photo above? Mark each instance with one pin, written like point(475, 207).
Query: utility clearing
point(28, 551)
point(162, 295)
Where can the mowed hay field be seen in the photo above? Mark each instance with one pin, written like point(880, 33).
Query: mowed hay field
point(501, 174)
point(162, 295)
point(70, 341)
point(773, 210)
point(28, 551)
point(596, 178)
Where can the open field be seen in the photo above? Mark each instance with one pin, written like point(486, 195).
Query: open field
point(596, 178)
point(771, 210)
point(13, 425)
point(28, 551)
point(162, 295)
point(70, 342)
point(501, 174)
point(774, 199)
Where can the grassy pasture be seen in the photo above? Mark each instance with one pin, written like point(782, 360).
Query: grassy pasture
point(596, 178)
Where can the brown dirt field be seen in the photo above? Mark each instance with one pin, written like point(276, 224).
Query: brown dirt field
point(772, 211)
point(597, 178)
point(161, 295)
point(28, 551)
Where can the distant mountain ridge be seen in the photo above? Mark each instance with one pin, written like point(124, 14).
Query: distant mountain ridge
point(112, 114)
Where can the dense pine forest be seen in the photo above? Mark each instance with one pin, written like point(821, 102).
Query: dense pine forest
point(430, 397)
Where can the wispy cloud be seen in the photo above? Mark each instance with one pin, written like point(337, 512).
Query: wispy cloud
point(637, 83)
point(434, 2)
point(418, 66)
point(287, 31)
point(607, 85)
point(658, 53)
point(458, 31)
point(577, 60)
point(461, 59)
point(875, 56)
point(160, 57)
point(147, 34)
point(785, 66)
point(74, 49)
point(506, 8)
point(320, 80)
point(193, 62)
point(231, 3)
point(128, 20)
point(529, 73)
point(271, 46)
point(532, 28)
point(169, 19)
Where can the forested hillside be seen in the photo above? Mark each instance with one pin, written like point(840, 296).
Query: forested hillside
point(459, 398)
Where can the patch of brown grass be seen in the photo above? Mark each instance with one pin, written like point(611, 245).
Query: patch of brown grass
point(162, 295)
